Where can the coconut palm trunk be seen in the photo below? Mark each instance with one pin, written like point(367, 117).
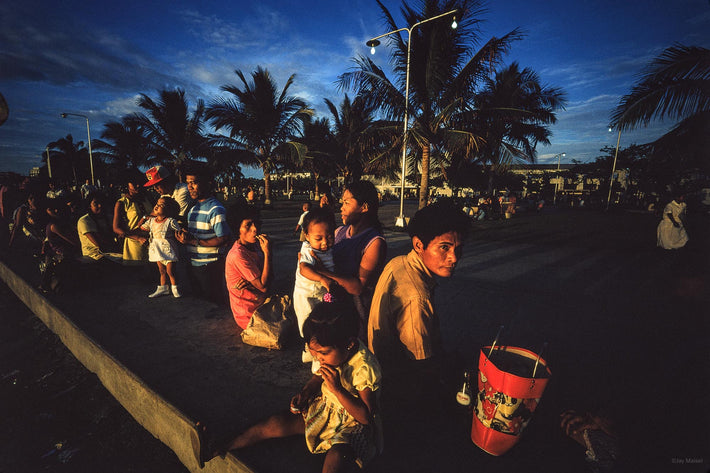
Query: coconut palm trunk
point(424, 185)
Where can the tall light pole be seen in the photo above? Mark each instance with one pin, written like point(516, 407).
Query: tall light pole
point(88, 134)
point(49, 165)
point(557, 180)
point(613, 168)
point(373, 43)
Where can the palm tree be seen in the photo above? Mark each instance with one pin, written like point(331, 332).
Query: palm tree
point(513, 113)
point(361, 141)
point(126, 146)
point(261, 122)
point(174, 135)
point(675, 86)
point(70, 153)
point(445, 71)
point(321, 151)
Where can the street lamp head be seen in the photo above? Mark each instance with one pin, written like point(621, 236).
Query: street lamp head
point(372, 44)
point(63, 115)
point(454, 25)
point(610, 130)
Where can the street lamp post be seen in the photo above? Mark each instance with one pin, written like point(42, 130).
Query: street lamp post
point(557, 180)
point(613, 168)
point(373, 43)
point(88, 134)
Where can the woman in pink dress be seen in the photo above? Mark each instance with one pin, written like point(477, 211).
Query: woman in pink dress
point(248, 269)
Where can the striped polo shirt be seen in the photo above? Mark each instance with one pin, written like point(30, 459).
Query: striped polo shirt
point(207, 219)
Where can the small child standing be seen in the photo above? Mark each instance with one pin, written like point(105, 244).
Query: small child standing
point(337, 409)
point(299, 226)
point(163, 247)
point(310, 286)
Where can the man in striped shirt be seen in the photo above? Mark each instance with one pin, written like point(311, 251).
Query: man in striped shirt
point(206, 238)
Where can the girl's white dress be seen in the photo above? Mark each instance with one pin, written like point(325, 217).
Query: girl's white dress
point(307, 293)
point(162, 246)
point(327, 421)
point(669, 236)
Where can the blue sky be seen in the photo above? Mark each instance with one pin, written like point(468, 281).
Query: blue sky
point(94, 58)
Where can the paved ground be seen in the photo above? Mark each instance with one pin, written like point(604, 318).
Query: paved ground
point(626, 324)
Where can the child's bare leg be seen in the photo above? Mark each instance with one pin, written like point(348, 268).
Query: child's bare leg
point(170, 268)
point(163, 273)
point(279, 425)
point(339, 458)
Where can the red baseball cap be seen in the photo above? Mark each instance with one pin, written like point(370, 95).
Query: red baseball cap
point(155, 175)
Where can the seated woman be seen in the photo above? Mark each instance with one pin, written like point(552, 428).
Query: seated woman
point(248, 269)
point(29, 220)
point(360, 249)
point(61, 246)
point(97, 240)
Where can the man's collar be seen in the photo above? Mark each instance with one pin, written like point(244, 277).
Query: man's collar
point(418, 265)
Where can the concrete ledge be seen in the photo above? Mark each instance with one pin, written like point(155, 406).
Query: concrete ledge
point(147, 407)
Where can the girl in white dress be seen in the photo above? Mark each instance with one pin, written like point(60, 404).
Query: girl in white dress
point(163, 247)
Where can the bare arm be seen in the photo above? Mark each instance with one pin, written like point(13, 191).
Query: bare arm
point(371, 260)
point(72, 239)
point(360, 408)
point(308, 272)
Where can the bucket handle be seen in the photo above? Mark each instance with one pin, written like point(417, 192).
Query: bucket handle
point(495, 342)
point(539, 354)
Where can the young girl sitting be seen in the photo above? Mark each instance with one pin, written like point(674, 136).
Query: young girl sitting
point(163, 247)
point(337, 408)
point(318, 227)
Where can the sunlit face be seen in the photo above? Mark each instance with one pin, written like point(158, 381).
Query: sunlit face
point(441, 254)
point(331, 356)
point(95, 206)
point(320, 236)
point(195, 187)
point(248, 231)
point(351, 211)
point(159, 208)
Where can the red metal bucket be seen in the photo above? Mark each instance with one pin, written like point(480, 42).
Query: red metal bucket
point(511, 381)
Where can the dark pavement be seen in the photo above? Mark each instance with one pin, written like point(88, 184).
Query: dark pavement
point(626, 325)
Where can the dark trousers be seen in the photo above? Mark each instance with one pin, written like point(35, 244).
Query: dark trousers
point(208, 282)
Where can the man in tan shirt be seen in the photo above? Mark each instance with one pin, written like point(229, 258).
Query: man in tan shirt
point(403, 332)
point(403, 327)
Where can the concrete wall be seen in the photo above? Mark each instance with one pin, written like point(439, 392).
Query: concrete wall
point(147, 407)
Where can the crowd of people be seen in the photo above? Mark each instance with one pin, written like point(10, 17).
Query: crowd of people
point(361, 317)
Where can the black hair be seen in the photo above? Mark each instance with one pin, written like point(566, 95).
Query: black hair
point(199, 170)
point(332, 324)
point(240, 211)
point(365, 192)
point(319, 215)
point(97, 196)
point(436, 219)
point(171, 208)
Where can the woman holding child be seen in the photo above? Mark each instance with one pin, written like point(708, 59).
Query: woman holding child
point(360, 249)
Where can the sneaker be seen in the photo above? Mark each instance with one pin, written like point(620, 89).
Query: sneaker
point(176, 292)
point(160, 291)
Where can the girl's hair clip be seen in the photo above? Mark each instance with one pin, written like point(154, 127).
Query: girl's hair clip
point(328, 297)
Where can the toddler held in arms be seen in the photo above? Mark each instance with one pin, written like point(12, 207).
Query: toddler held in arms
point(163, 247)
point(337, 409)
